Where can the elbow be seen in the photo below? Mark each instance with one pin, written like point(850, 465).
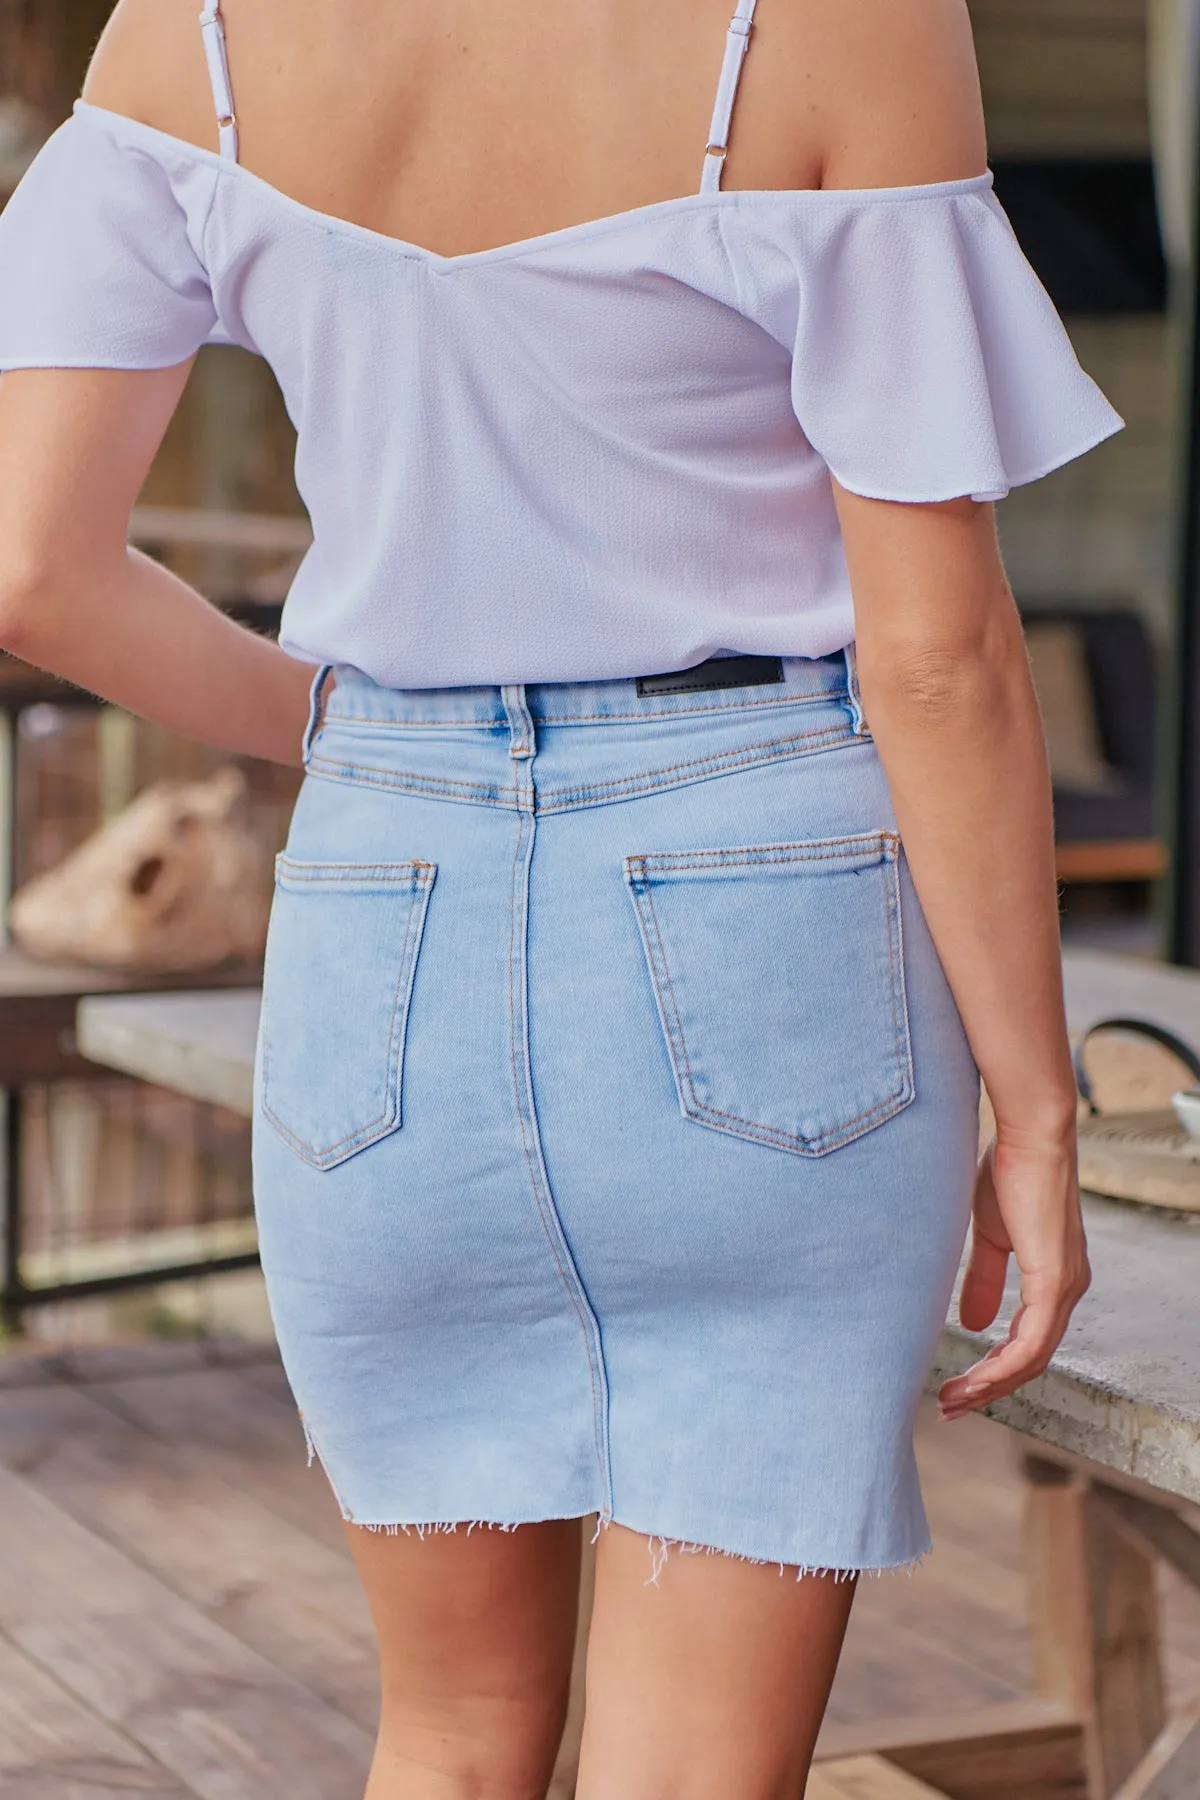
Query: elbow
point(23, 588)
point(938, 684)
point(35, 590)
point(941, 680)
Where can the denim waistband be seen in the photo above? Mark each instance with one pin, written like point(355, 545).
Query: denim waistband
point(355, 696)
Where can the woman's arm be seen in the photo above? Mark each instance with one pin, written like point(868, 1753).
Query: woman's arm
point(949, 700)
point(75, 449)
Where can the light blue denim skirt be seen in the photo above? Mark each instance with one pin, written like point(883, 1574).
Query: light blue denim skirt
point(615, 1125)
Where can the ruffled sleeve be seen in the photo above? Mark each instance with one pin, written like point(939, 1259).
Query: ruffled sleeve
point(929, 362)
point(99, 260)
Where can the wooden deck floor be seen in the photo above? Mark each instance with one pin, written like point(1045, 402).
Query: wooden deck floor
point(179, 1617)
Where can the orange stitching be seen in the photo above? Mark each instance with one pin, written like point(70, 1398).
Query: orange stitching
point(418, 871)
point(389, 1119)
point(776, 750)
point(895, 928)
point(753, 856)
point(772, 746)
point(666, 969)
point(435, 784)
point(888, 842)
point(769, 1134)
point(569, 798)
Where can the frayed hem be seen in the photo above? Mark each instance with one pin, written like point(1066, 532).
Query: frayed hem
point(439, 1527)
point(661, 1547)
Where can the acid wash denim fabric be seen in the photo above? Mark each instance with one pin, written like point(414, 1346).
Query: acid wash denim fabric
point(615, 1125)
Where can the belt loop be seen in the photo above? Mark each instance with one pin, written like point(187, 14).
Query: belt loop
point(520, 721)
point(316, 710)
point(858, 723)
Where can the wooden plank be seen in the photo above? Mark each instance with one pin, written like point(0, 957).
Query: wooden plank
point(201, 1045)
point(1043, 1764)
point(1093, 1605)
point(1040, 67)
point(203, 1241)
point(1129, 1698)
point(28, 977)
point(53, 1748)
point(38, 1002)
point(25, 1363)
point(1181, 1611)
point(167, 1356)
point(1160, 1531)
point(251, 1440)
point(1030, 1748)
point(895, 1737)
point(1057, 1585)
point(21, 1367)
point(23, 685)
point(1046, 1764)
point(216, 1715)
point(960, 1604)
point(865, 1778)
point(270, 1377)
point(1113, 859)
point(892, 1666)
point(975, 1498)
point(1063, 76)
point(257, 533)
point(1171, 1770)
point(271, 1585)
point(1121, 18)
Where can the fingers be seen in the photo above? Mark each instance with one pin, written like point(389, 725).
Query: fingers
point(1035, 1333)
point(983, 1284)
point(1025, 1203)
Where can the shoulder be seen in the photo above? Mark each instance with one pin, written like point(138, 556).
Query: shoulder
point(149, 64)
point(893, 87)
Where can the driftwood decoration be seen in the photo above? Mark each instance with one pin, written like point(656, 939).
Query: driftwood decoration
point(178, 881)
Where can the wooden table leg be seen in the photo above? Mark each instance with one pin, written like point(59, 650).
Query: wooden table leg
point(1093, 1610)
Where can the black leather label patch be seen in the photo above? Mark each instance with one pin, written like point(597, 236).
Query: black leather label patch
point(717, 672)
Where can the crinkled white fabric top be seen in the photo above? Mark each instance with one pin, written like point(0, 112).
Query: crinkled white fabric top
point(604, 451)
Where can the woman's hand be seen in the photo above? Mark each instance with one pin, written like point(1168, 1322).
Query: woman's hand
point(1027, 1205)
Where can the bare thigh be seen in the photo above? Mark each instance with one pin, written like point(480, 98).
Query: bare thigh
point(709, 1682)
point(476, 1632)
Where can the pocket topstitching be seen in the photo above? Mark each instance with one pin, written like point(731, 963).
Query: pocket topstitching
point(341, 957)
point(778, 974)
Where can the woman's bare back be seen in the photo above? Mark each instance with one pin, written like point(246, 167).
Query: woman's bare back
point(464, 124)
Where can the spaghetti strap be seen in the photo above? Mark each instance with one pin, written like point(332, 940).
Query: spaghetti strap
point(213, 33)
point(736, 45)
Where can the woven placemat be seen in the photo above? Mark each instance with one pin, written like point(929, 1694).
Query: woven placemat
point(1143, 1156)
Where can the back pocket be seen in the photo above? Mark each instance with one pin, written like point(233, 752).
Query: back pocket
point(779, 976)
point(341, 955)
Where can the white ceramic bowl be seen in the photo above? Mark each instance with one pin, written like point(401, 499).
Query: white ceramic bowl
point(1187, 1110)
